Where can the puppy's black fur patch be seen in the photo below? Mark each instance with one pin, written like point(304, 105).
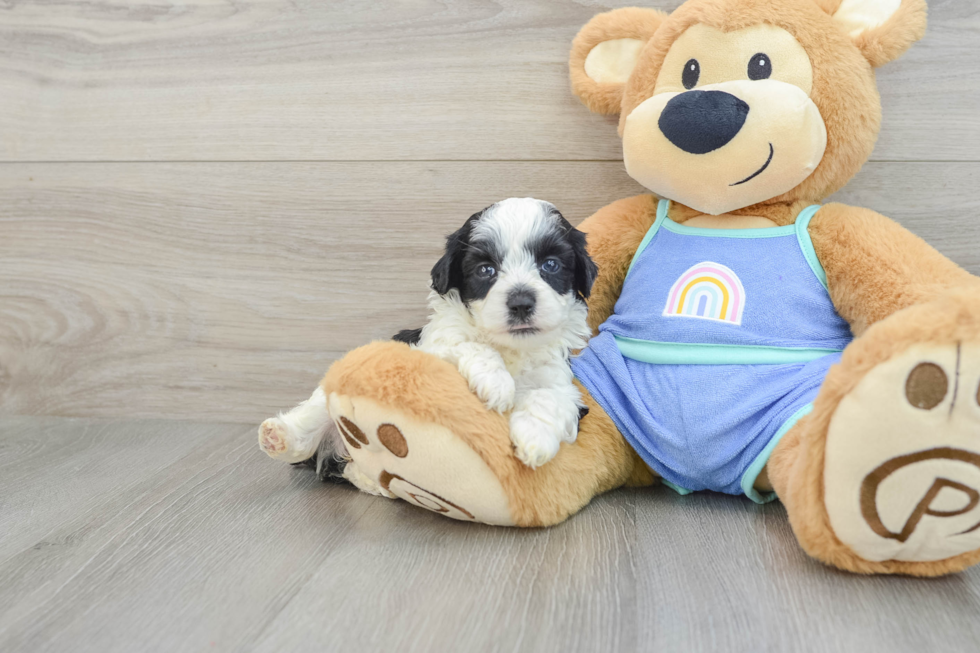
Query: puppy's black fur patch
point(586, 270)
point(457, 269)
point(408, 336)
point(447, 273)
point(568, 245)
point(463, 257)
point(332, 470)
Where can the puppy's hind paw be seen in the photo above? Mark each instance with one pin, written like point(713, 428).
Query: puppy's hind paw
point(273, 437)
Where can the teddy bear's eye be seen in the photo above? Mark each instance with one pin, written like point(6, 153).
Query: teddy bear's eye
point(692, 70)
point(760, 67)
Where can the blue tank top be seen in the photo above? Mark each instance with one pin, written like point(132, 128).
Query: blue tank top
point(726, 296)
point(720, 341)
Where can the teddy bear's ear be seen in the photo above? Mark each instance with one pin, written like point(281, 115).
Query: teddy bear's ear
point(605, 52)
point(882, 29)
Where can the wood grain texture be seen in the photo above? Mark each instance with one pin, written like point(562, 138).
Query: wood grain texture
point(100, 80)
point(221, 291)
point(213, 546)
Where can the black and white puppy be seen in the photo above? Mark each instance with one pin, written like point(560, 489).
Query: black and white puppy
point(507, 309)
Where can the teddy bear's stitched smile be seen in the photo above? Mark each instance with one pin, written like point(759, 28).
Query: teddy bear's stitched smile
point(760, 170)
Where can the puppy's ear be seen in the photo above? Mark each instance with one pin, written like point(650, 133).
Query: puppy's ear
point(447, 273)
point(585, 268)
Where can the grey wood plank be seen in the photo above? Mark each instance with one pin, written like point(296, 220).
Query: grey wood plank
point(310, 80)
point(225, 550)
point(196, 555)
point(414, 581)
point(640, 570)
point(724, 574)
point(222, 291)
point(52, 469)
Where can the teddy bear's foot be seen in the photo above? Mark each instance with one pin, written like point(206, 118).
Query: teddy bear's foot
point(412, 429)
point(393, 455)
point(883, 476)
point(902, 467)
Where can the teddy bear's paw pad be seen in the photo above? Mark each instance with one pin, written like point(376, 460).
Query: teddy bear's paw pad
point(536, 441)
point(902, 465)
point(394, 455)
point(273, 437)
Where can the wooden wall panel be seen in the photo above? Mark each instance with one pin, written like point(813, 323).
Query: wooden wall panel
point(98, 80)
point(224, 290)
point(203, 204)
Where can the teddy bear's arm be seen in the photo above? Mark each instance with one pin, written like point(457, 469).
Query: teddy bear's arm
point(614, 232)
point(876, 267)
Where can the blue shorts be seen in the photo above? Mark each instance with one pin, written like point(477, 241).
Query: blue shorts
point(701, 427)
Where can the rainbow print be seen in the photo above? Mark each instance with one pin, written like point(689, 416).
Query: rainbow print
point(708, 291)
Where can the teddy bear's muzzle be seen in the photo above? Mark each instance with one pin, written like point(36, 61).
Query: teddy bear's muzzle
point(724, 146)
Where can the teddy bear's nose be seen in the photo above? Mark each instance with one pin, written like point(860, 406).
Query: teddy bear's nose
point(702, 121)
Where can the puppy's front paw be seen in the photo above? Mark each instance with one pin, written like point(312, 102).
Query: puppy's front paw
point(273, 437)
point(495, 387)
point(535, 440)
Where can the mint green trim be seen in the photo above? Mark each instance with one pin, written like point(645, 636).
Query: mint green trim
point(752, 473)
point(799, 229)
point(764, 232)
point(677, 353)
point(806, 244)
point(651, 232)
point(683, 491)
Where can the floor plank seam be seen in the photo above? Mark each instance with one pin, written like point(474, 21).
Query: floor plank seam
point(309, 577)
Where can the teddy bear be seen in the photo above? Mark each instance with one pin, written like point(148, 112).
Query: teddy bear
point(747, 339)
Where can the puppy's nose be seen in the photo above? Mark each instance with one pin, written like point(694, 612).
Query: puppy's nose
point(702, 121)
point(520, 303)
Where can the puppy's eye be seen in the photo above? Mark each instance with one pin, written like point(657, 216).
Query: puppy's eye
point(486, 272)
point(760, 66)
point(692, 71)
point(551, 265)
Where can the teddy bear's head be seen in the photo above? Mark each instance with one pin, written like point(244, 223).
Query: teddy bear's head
point(727, 104)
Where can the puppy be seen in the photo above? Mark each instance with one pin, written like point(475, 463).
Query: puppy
point(507, 308)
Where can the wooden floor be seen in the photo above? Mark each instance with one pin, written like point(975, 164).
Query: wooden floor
point(204, 203)
point(181, 536)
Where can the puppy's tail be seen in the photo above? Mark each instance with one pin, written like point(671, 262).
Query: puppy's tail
point(408, 336)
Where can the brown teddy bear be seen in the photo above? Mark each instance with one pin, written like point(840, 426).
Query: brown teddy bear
point(747, 340)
